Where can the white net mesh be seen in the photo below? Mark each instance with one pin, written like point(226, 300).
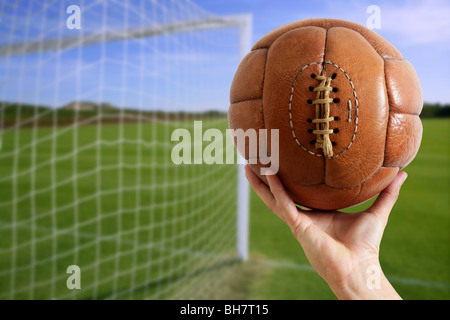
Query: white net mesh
point(86, 176)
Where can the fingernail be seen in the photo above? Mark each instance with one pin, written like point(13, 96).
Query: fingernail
point(405, 175)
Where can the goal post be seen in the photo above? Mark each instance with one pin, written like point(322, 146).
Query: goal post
point(86, 179)
point(243, 196)
point(242, 21)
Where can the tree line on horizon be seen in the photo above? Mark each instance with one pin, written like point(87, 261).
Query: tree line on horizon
point(10, 112)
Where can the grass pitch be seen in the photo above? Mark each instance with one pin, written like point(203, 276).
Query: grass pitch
point(415, 250)
point(108, 199)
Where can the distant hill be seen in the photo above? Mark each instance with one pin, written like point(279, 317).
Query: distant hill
point(22, 115)
point(88, 106)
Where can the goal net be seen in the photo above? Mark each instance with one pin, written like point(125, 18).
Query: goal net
point(90, 93)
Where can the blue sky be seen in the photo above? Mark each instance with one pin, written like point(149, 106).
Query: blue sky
point(180, 72)
point(420, 29)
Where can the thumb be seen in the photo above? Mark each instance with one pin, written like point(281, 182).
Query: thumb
point(387, 198)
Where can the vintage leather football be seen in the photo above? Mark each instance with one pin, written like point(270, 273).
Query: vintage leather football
point(346, 105)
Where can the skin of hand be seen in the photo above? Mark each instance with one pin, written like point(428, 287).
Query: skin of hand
point(343, 248)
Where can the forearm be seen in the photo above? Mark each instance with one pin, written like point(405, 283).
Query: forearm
point(366, 282)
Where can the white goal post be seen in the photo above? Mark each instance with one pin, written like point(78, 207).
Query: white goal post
point(243, 196)
point(85, 123)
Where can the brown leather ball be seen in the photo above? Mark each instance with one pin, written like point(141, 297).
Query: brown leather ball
point(346, 105)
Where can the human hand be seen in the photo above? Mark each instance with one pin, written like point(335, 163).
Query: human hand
point(342, 247)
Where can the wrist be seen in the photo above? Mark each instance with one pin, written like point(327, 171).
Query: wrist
point(366, 282)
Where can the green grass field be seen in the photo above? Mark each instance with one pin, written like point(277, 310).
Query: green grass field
point(415, 250)
point(108, 199)
point(140, 227)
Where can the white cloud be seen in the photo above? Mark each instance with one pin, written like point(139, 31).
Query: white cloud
point(419, 22)
point(410, 23)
